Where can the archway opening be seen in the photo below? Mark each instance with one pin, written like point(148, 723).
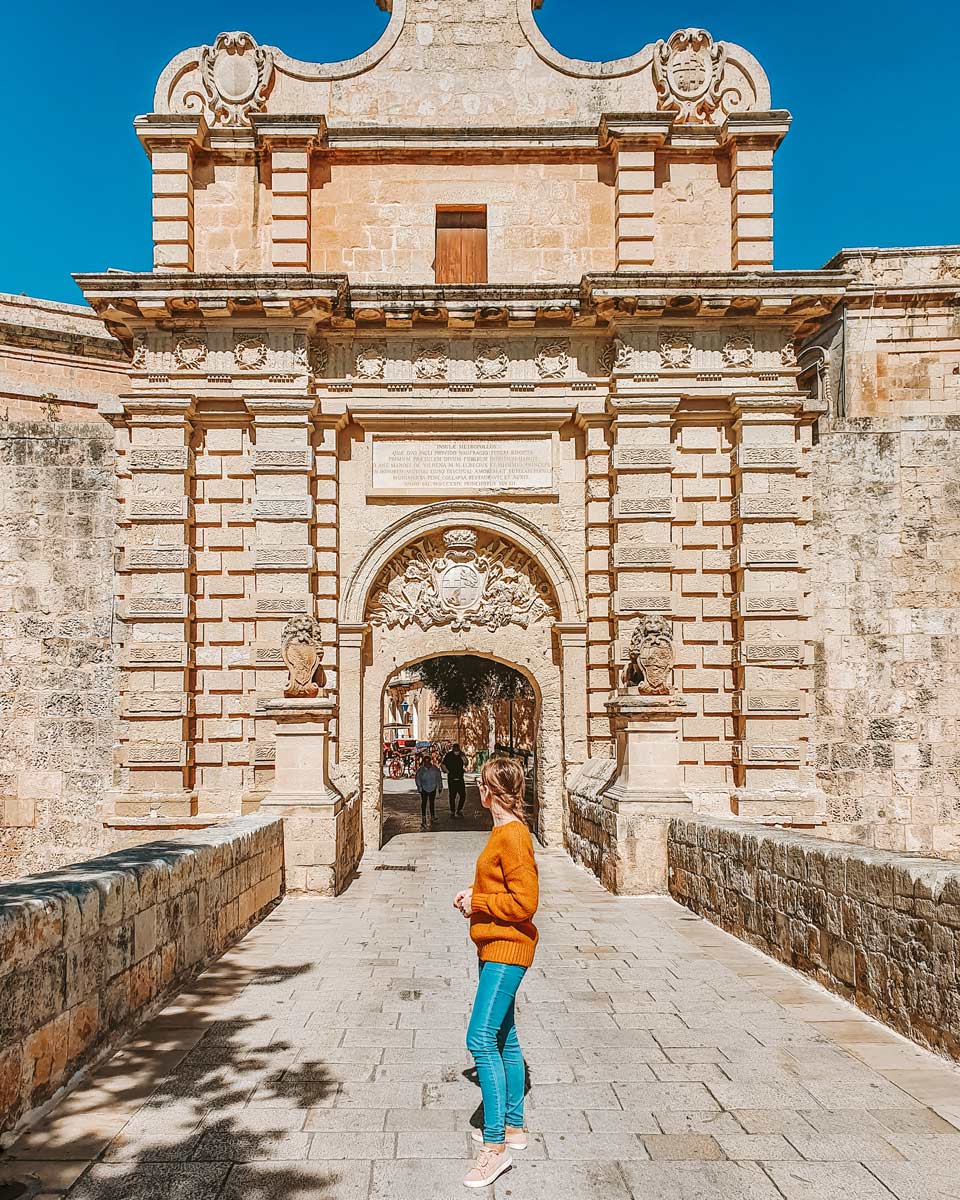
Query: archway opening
point(443, 716)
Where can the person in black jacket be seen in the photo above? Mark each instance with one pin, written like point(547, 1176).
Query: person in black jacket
point(455, 765)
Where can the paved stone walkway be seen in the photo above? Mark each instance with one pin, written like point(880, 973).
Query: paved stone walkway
point(323, 1058)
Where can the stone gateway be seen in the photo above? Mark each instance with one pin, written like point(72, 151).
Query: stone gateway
point(466, 347)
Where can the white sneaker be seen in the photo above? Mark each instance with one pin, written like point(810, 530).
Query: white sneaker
point(490, 1165)
point(516, 1138)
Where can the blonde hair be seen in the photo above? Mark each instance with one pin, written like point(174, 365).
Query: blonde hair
point(504, 778)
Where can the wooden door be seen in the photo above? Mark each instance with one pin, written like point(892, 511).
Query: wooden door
point(461, 245)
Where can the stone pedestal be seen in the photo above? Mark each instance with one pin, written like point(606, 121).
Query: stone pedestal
point(318, 836)
point(647, 791)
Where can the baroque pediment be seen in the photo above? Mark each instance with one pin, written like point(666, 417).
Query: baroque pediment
point(461, 580)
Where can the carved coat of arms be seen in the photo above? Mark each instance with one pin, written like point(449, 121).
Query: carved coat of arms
point(688, 75)
point(460, 586)
point(302, 651)
point(236, 74)
point(651, 657)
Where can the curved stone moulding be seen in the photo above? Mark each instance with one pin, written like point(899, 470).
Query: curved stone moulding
point(172, 86)
point(290, 86)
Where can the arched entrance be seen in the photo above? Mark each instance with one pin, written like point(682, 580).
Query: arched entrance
point(454, 579)
point(480, 705)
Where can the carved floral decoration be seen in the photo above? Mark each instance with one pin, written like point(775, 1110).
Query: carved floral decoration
point(302, 651)
point(371, 361)
point(459, 585)
point(432, 362)
point(491, 361)
point(676, 350)
point(317, 358)
point(236, 74)
point(788, 354)
point(688, 75)
point(651, 657)
point(139, 360)
point(553, 359)
point(190, 353)
point(615, 356)
point(738, 351)
point(250, 352)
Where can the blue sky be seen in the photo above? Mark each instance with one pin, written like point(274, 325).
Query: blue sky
point(872, 158)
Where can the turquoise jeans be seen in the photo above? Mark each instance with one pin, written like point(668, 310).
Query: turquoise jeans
point(492, 1040)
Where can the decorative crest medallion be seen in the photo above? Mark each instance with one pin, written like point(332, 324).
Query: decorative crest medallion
point(371, 361)
point(302, 651)
point(250, 352)
point(491, 361)
point(432, 362)
point(460, 586)
point(676, 350)
point(651, 657)
point(236, 75)
point(190, 353)
point(552, 359)
point(738, 351)
point(688, 75)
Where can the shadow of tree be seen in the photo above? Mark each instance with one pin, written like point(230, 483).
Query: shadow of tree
point(401, 811)
point(217, 1107)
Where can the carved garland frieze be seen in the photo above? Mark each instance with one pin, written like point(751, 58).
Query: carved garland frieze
point(250, 352)
point(461, 585)
point(432, 362)
point(371, 361)
point(553, 359)
point(190, 353)
point(676, 350)
point(491, 361)
point(738, 351)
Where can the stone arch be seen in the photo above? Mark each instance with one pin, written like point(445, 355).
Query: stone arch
point(488, 518)
point(532, 656)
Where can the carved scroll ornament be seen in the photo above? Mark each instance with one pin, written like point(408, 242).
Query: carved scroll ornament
point(688, 74)
point(460, 586)
point(302, 652)
point(236, 74)
point(651, 657)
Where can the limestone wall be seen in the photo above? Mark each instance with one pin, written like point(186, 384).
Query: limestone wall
point(57, 523)
point(879, 929)
point(884, 571)
point(87, 952)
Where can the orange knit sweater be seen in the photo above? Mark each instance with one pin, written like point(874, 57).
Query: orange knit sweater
point(506, 890)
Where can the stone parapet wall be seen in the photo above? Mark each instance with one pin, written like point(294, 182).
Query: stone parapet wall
point(87, 952)
point(880, 929)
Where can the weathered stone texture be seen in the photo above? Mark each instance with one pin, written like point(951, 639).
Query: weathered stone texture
point(884, 569)
point(57, 677)
point(880, 929)
point(86, 952)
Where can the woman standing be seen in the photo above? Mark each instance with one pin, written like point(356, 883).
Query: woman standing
point(500, 905)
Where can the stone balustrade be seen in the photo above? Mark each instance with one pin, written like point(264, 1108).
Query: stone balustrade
point(87, 952)
point(878, 928)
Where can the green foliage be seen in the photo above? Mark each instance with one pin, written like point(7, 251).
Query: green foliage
point(464, 681)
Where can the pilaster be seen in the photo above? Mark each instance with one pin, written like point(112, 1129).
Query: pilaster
point(634, 143)
point(599, 579)
point(172, 142)
point(288, 143)
point(283, 554)
point(156, 607)
point(753, 139)
point(772, 513)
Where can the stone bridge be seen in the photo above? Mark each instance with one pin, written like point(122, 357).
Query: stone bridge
point(323, 1054)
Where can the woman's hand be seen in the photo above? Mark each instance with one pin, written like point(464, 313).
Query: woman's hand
point(464, 901)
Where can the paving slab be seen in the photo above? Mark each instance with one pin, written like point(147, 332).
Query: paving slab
point(323, 1058)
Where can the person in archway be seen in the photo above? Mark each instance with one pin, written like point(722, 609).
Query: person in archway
point(429, 781)
point(501, 906)
point(455, 765)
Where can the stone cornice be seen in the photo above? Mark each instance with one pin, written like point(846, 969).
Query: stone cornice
point(794, 298)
